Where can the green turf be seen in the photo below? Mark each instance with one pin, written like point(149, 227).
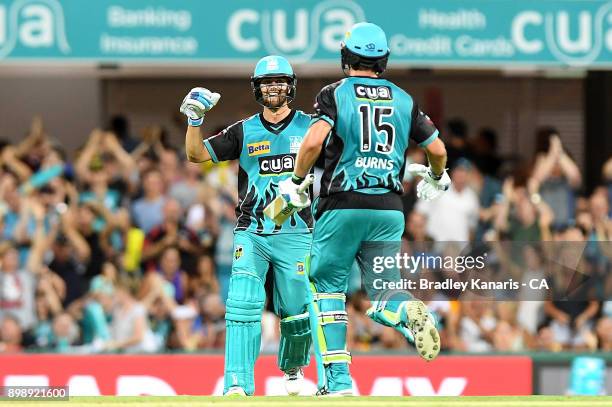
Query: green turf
point(202, 401)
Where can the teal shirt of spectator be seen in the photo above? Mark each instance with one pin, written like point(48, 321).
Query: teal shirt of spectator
point(94, 323)
point(111, 201)
point(43, 334)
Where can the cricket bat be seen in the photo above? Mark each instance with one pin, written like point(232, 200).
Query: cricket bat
point(280, 210)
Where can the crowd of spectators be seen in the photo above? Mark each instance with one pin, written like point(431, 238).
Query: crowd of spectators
point(124, 246)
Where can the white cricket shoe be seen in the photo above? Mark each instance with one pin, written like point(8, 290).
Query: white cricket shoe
point(294, 379)
point(423, 328)
point(235, 391)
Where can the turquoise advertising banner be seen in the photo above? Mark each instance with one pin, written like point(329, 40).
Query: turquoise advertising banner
point(496, 33)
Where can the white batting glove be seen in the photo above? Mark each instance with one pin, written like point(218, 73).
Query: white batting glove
point(197, 102)
point(296, 195)
point(430, 187)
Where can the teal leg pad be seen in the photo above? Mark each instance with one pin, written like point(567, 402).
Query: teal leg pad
point(243, 335)
point(241, 351)
point(295, 342)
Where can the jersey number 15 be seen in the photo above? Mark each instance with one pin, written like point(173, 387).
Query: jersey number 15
point(379, 125)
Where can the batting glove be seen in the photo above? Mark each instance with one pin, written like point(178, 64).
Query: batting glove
point(296, 195)
point(431, 186)
point(197, 102)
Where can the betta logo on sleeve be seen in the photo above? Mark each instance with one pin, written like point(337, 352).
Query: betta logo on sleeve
point(263, 147)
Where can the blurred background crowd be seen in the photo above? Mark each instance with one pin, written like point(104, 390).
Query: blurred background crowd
point(124, 246)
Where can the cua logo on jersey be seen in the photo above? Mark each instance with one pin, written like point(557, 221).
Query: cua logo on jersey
point(300, 267)
point(373, 92)
point(276, 164)
point(263, 147)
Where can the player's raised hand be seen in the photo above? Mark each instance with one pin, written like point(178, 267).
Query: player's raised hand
point(197, 102)
point(430, 187)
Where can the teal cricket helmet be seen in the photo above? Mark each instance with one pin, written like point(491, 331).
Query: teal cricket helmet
point(365, 46)
point(273, 66)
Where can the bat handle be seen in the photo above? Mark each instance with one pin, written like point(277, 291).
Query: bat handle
point(306, 183)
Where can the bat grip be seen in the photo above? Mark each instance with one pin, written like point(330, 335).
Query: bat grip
point(306, 183)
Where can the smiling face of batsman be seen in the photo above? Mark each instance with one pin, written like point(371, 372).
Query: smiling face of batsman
point(273, 83)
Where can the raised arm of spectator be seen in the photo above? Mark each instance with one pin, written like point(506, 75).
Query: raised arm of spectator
point(54, 290)
point(13, 163)
point(151, 140)
point(570, 170)
point(39, 240)
point(34, 138)
point(545, 164)
point(74, 237)
point(21, 228)
point(120, 221)
point(92, 147)
point(127, 163)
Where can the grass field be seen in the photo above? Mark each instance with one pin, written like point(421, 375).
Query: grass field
point(203, 401)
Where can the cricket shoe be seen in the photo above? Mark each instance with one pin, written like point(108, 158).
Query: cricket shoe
point(422, 326)
point(235, 391)
point(294, 379)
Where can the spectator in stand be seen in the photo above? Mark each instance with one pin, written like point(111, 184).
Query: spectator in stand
point(187, 189)
point(545, 341)
point(416, 228)
point(11, 334)
point(571, 319)
point(508, 335)
point(120, 125)
point(147, 211)
point(210, 322)
point(484, 152)
point(10, 204)
point(102, 160)
point(521, 218)
point(453, 216)
point(489, 193)
point(170, 166)
point(130, 331)
point(172, 232)
point(65, 333)
point(18, 285)
point(83, 223)
point(476, 327)
point(70, 256)
point(456, 141)
point(205, 280)
point(555, 176)
point(175, 279)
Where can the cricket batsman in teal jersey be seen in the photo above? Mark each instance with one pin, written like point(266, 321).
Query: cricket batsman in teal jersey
point(265, 145)
point(363, 124)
